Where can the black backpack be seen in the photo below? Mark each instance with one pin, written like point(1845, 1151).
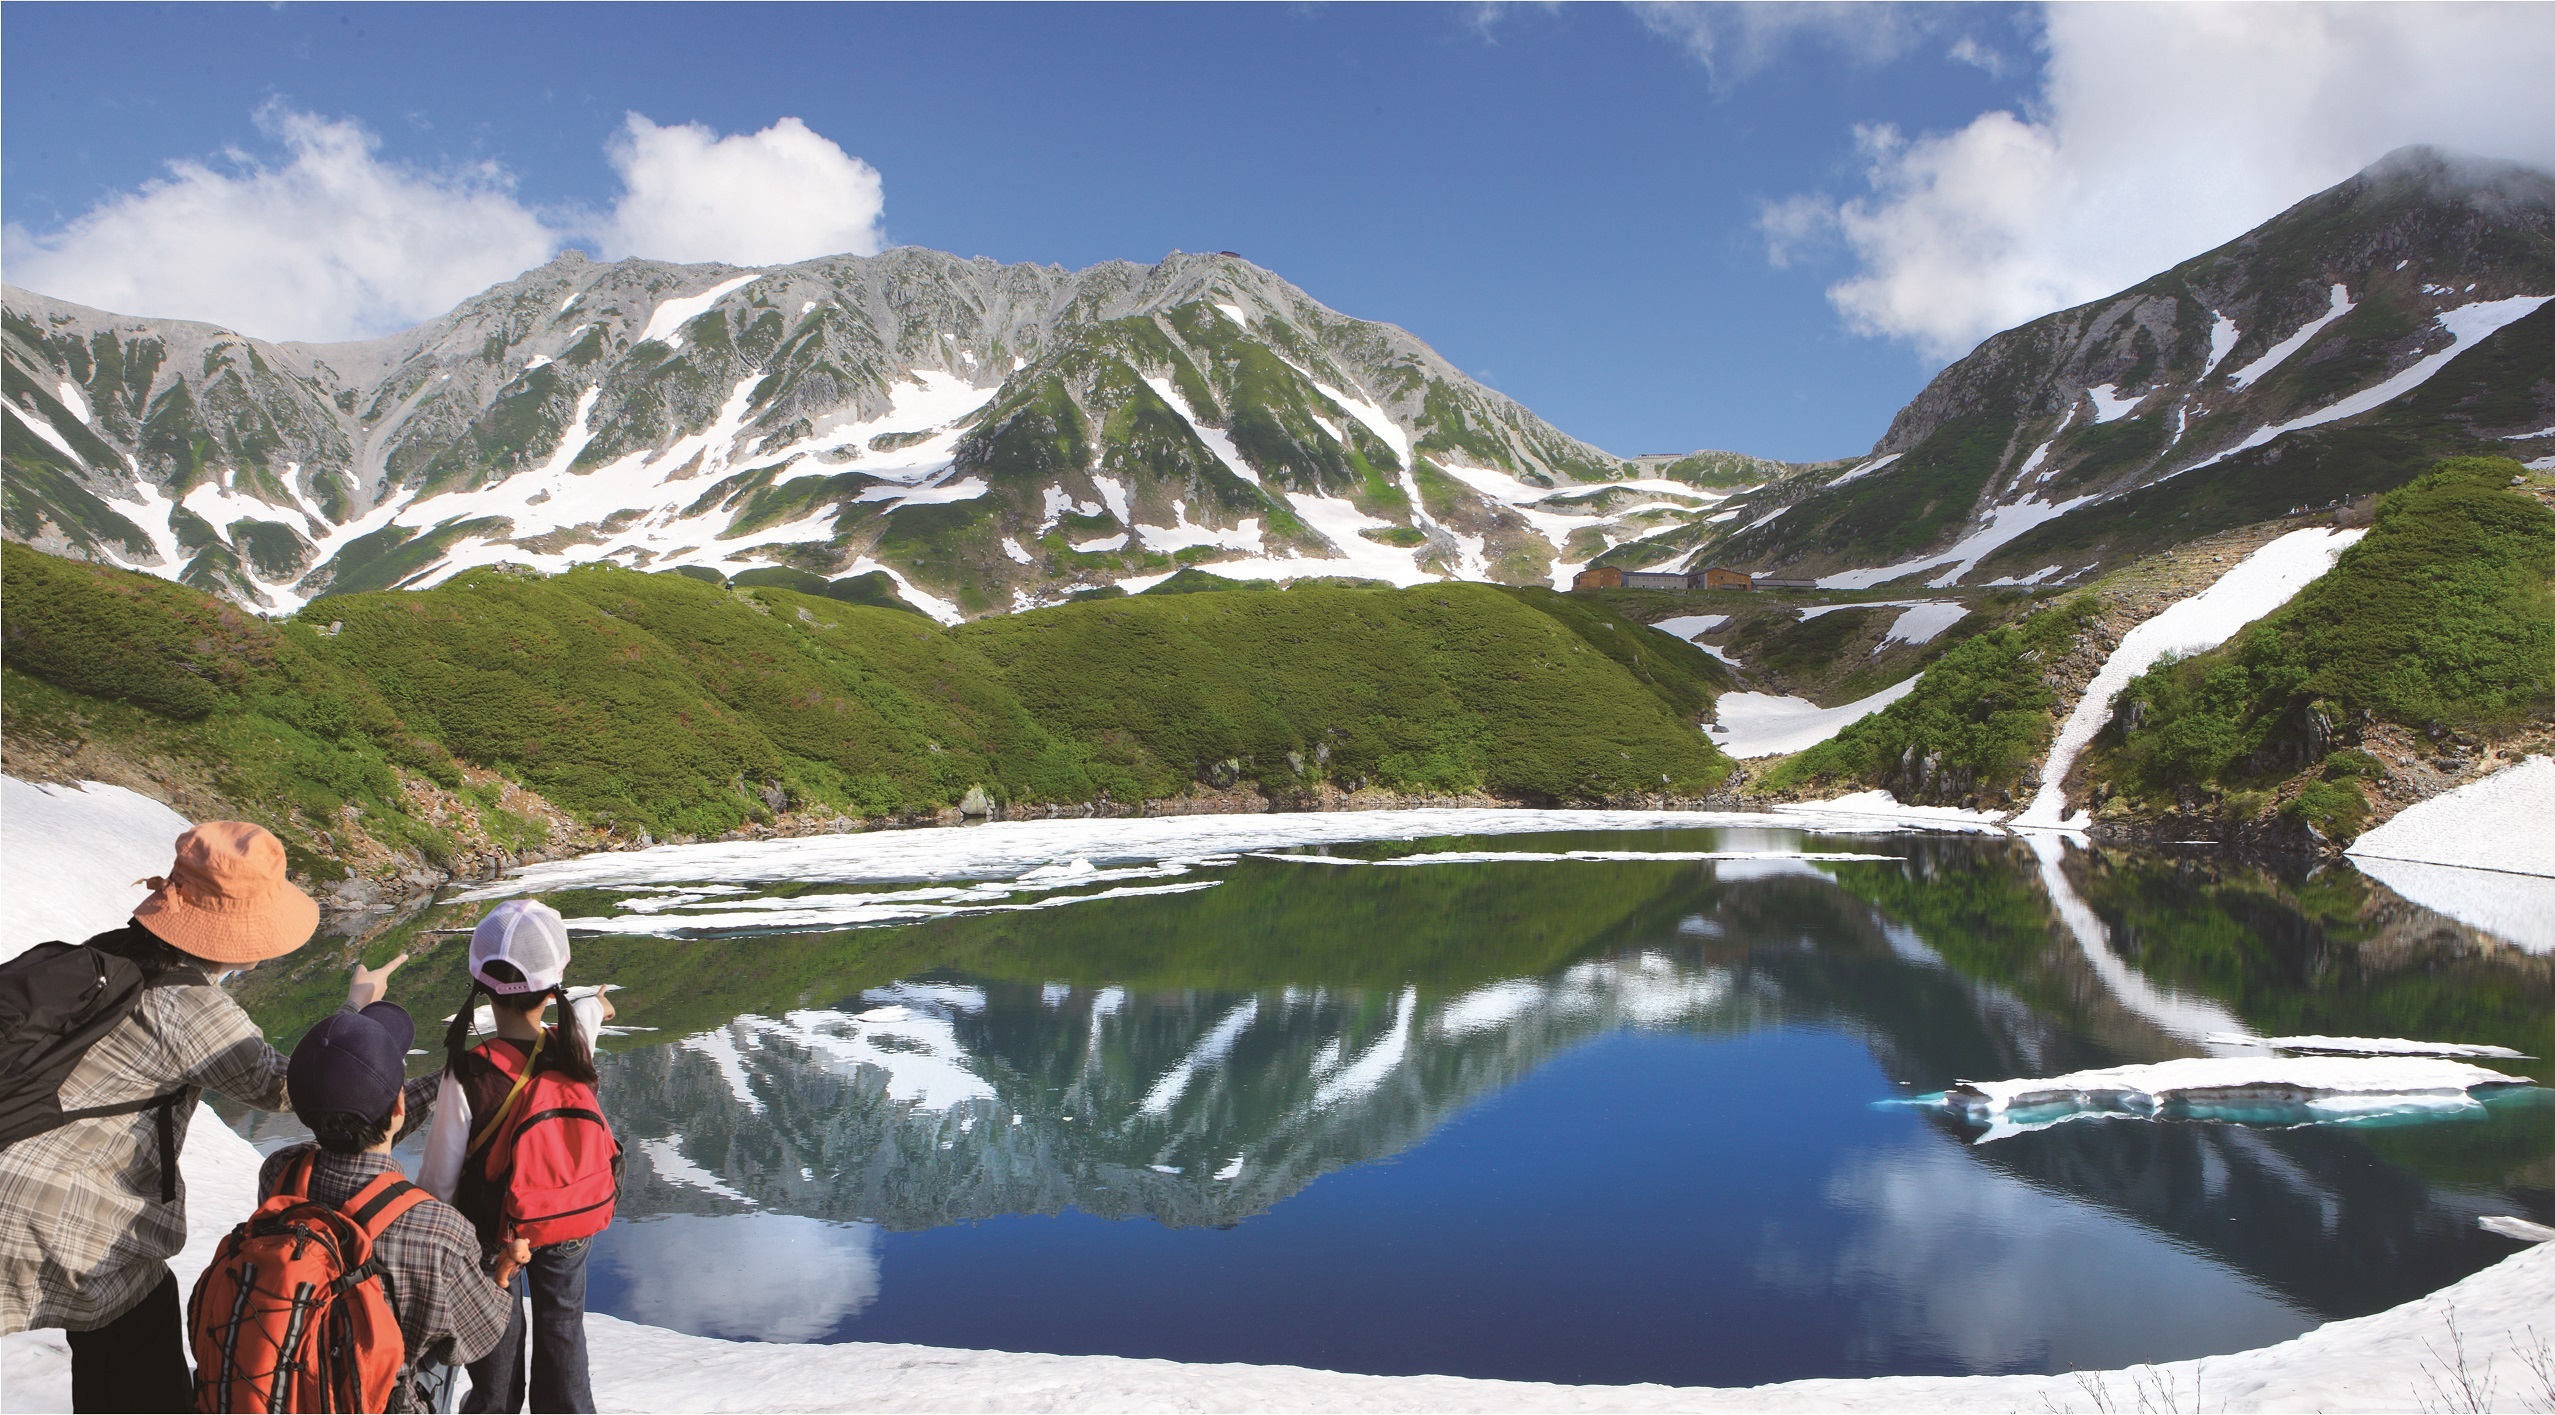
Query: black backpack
point(56, 1001)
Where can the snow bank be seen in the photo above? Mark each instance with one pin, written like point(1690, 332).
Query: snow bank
point(2261, 583)
point(70, 857)
point(2483, 854)
point(1763, 725)
point(1881, 805)
point(2504, 822)
point(2316, 1087)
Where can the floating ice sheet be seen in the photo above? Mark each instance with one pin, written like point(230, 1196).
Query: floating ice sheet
point(1009, 850)
point(2370, 1046)
point(2258, 1090)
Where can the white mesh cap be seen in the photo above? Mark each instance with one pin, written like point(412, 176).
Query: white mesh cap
point(526, 933)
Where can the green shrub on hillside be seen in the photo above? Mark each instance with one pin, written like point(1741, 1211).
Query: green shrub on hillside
point(1452, 687)
point(1975, 720)
point(2442, 616)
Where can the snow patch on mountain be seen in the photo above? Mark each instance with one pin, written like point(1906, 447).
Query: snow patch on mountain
point(2466, 326)
point(671, 315)
point(1765, 725)
point(2003, 524)
point(1217, 440)
point(2279, 353)
point(2110, 405)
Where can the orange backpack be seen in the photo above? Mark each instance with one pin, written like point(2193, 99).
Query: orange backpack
point(289, 1316)
point(544, 1167)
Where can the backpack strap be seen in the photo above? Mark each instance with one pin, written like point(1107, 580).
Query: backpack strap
point(523, 1078)
point(380, 1203)
point(295, 1181)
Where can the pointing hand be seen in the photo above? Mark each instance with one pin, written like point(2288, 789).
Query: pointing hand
point(370, 985)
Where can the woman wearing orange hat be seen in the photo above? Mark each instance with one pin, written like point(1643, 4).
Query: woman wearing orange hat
point(91, 1209)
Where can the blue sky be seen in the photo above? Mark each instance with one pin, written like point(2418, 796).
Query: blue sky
point(1569, 203)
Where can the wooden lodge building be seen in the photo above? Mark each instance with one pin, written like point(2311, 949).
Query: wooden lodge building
point(1712, 577)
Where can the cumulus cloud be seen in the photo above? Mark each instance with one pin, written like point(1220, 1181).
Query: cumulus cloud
point(331, 243)
point(785, 193)
point(2161, 131)
point(329, 240)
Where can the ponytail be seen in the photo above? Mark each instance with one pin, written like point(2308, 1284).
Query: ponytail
point(571, 1054)
point(457, 1035)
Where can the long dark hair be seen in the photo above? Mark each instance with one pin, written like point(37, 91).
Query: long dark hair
point(568, 1051)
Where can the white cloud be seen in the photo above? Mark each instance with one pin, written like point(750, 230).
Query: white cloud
point(786, 193)
point(745, 1277)
point(333, 243)
point(1735, 41)
point(329, 240)
point(2162, 131)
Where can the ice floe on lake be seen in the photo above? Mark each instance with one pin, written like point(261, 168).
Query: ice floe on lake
point(2371, 1046)
point(2275, 1090)
point(1011, 850)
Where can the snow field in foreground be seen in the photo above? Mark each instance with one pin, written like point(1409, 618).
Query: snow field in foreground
point(70, 856)
point(2379, 1362)
point(2259, 584)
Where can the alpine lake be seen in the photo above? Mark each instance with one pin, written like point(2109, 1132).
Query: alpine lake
point(1546, 1102)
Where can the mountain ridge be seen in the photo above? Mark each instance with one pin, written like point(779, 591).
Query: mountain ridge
point(1201, 409)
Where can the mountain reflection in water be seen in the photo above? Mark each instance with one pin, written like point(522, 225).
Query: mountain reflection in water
point(1575, 1119)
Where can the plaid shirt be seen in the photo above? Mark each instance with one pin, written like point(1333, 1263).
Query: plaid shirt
point(83, 1234)
point(449, 1310)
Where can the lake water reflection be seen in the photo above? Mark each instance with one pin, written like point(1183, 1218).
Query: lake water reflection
point(1518, 1112)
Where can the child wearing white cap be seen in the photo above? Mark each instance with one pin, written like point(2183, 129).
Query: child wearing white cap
point(519, 1144)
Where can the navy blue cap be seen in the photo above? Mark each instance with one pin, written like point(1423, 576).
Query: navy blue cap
point(352, 1063)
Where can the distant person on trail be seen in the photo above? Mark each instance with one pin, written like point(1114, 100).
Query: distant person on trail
point(400, 1276)
point(105, 1048)
point(520, 1146)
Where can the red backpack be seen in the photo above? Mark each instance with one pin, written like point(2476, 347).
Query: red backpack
point(290, 1315)
point(544, 1167)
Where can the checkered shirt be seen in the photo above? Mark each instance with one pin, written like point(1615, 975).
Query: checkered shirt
point(449, 1310)
point(83, 1234)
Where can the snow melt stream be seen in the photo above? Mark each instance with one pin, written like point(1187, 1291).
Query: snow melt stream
point(2261, 583)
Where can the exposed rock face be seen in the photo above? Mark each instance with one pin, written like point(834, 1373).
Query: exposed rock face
point(2331, 352)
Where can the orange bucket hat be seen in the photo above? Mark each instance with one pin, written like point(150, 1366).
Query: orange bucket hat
point(226, 900)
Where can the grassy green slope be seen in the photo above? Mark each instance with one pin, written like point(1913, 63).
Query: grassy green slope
point(1979, 716)
point(669, 705)
point(1452, 688)
point(2442, 617)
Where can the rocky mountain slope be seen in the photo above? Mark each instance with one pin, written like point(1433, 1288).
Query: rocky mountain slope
point(2329, 354)
point(991, 436)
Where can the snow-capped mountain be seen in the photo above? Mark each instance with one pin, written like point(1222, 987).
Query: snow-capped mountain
point(993, 436)
point(2332, 352)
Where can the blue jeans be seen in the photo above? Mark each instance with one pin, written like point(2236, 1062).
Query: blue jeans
point(556, 1282)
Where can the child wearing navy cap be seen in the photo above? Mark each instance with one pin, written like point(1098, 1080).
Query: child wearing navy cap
point(347, 1081)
